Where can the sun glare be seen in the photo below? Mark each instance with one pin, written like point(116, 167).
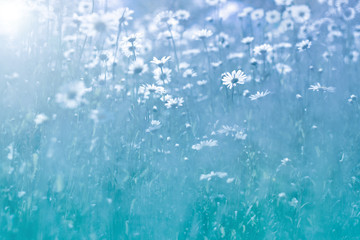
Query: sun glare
point(12, 14)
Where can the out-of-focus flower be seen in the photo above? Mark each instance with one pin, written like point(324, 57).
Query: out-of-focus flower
point(247, 40)
point(263, 49)
point(162, 75)
point(213, 174)
point(303, 45)
point(272, 16)
point(352, 98)
point(300, 13)
point(257, 14)
point(131, 45)
point(283, 2)
point(245, 12)
point(138, 67)
point(286, 25)
point(348, 13)
point(40, 118)
point(203, 34)
point(98, 24)
point(123, 15)
point(214, 2)
point(166, 19)
point(283, 68)
point(71, 95)
point(182, 15)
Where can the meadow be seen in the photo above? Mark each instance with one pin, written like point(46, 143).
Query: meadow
point(204, 119)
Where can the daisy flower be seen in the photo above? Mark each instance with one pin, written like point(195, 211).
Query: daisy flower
point(72, 95)
point(263, 49)
point(300, 13)
point(303, 45)
point(40, 118)
point(283, 68)
point(247, 40)
point(233, 78)
point(206, 143)
point(160, 62)
point(272, 16)
point(283, 2)
point(257, 14)
point(138, 67)
point(258, 95)
point(317, 87)
point(203, 34)
point(162, 75)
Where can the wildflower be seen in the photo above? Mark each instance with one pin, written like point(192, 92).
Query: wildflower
point(155, 89)
point(286, 25)
point(138, 67)
point(272, 16)
point(40, 118)
point(283, 2)
point(162, 75)
point(300, 13)
point(98, 23)
point(223, 39)
point(213, 174)
point(317, 87)
point(257, 14)
point(182, 15)
point(281, 195)
point(293, 202)
point(233, 131)
point(189, 73)
point(214, 2)
point(285, 161)
point(21, 194)
point(183, 65)
point(258, 95)
point(339, 4)
point(216, 64)
point(171, 102)
point(282, 45)
point(187, 86)
point(283, 68)
point(160, 63)
point(352, 98)
point(235, 55)
point(230, 180)
point(166, 18)
point(202, 34)
point(247, 40)
point(245, 12)
point(155, 125)
point(303, 45)
point(236, 77)
point(263, 49)
point(72, 94)
point(348, 14)
point(254, 62)
point(131, 45)
point(85, 7)
point(201, 82)
point(206, 143)
point(123, 15)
